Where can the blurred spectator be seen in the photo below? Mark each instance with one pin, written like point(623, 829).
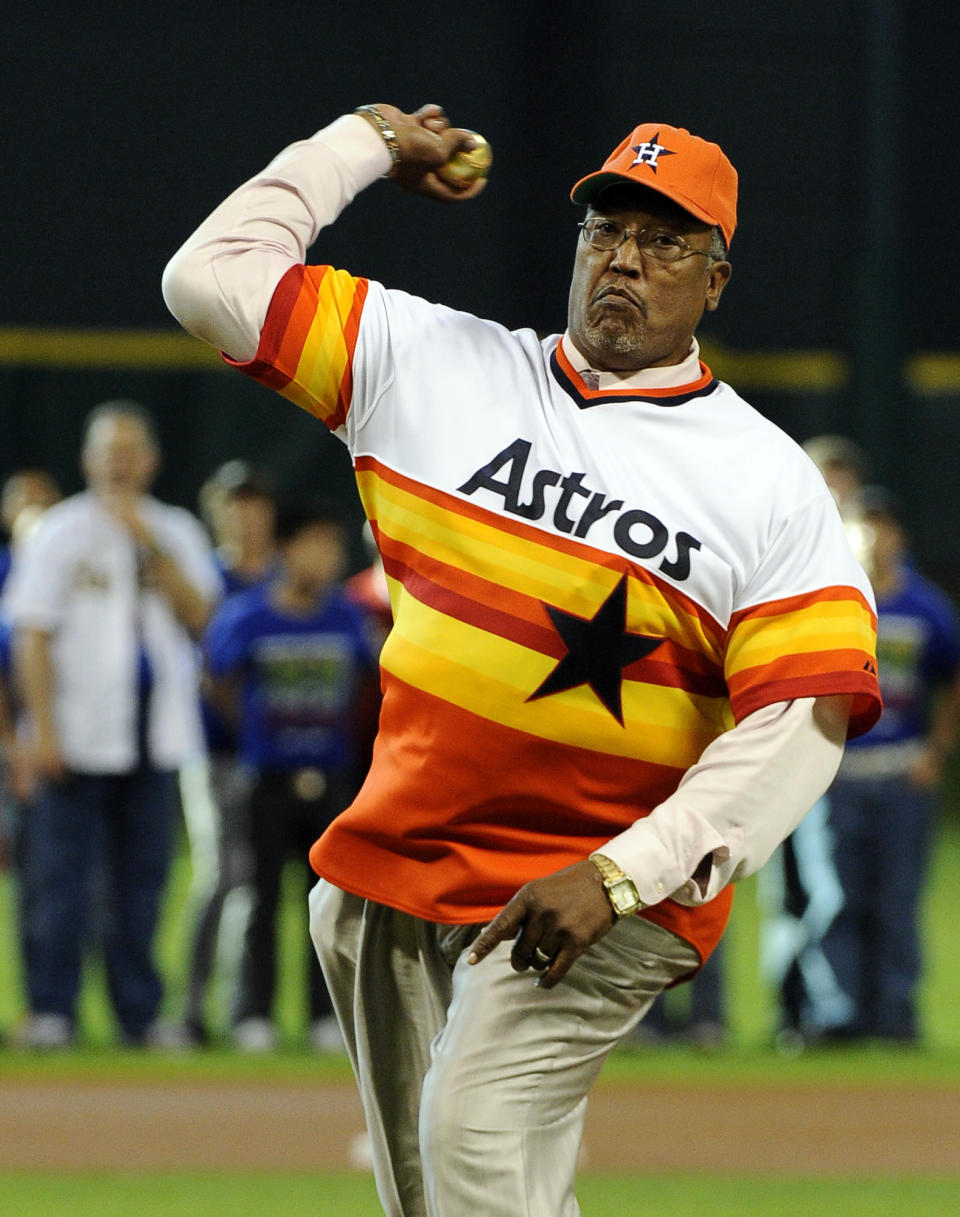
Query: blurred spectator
point(9, 764)
point(291, 657)
point(8, 749)
point(238, 504)
point(883, 802)
point(25, 495)
point(844, 466)
point(104, 601)
point(799, 890)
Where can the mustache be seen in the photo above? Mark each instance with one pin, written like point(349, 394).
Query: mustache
point(616, 289)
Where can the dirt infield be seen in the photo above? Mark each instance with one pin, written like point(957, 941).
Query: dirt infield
point(93, 1125)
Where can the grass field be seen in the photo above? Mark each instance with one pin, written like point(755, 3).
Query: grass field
point(345, 1195)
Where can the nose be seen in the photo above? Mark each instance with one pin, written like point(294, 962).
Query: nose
point(628, 260)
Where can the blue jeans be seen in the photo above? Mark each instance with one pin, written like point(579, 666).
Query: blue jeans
point(114, 828)
point(882, 831)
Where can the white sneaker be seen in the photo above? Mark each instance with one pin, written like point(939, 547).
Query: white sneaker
point(325, 1035)
point(255, 1035)
point(45, 1031)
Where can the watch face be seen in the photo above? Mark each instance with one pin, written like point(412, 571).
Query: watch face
point(623, 896)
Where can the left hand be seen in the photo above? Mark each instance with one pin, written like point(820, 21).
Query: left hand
point(562, 915)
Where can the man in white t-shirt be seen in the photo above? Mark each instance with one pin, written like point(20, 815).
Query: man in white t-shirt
point(629, 640)
point(106, 600)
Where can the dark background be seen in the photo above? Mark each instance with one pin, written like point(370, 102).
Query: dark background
point(123, 126)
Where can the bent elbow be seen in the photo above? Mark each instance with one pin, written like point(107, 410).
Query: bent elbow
point(194, 294)
point(189, 292)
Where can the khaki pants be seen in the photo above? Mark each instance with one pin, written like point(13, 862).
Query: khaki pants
point(473, 1079)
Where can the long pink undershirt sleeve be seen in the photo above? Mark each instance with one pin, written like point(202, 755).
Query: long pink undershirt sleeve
point(750, 789)
point(220, 283)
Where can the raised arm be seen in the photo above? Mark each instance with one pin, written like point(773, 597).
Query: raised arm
point(220, 282)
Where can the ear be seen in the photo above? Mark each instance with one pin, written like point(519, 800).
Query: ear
point(718, 276)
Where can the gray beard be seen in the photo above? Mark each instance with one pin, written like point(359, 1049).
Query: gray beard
point(615, 344)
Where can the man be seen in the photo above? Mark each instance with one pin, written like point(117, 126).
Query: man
point(799, 890)
point(844, 466)
point(292, 656)
point(105, 601)
point(884, 800)
point(238, 504)
point(25, 495)
point(629, 636)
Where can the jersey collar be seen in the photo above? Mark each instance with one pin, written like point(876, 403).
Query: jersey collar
point(670, 386)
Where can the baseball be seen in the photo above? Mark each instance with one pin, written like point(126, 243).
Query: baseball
point(466, 167)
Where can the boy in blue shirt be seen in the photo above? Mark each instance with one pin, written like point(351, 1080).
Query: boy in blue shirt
point(239, 505)
point(884, 799)
point(290, 659)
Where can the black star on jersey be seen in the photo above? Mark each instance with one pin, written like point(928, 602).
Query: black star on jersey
point(598, 649)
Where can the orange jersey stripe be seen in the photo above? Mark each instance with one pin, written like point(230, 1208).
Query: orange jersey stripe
point(308, 342)
point(788, 604)
point(802, 646)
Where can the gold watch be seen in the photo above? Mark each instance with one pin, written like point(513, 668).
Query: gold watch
point(621, 889)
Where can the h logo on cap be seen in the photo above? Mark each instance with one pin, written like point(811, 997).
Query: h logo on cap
point(650, 152)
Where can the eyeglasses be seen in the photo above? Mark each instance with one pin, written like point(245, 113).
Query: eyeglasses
point(659, 243)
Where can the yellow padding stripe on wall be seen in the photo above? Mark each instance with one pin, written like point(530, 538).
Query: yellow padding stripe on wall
point(170, 350)
point(156, 350)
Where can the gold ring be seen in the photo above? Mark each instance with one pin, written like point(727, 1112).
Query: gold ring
point(542, 957)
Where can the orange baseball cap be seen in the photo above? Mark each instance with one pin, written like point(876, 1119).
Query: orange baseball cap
point(693, 173)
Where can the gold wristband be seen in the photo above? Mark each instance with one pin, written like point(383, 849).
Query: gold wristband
point(387, 133)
